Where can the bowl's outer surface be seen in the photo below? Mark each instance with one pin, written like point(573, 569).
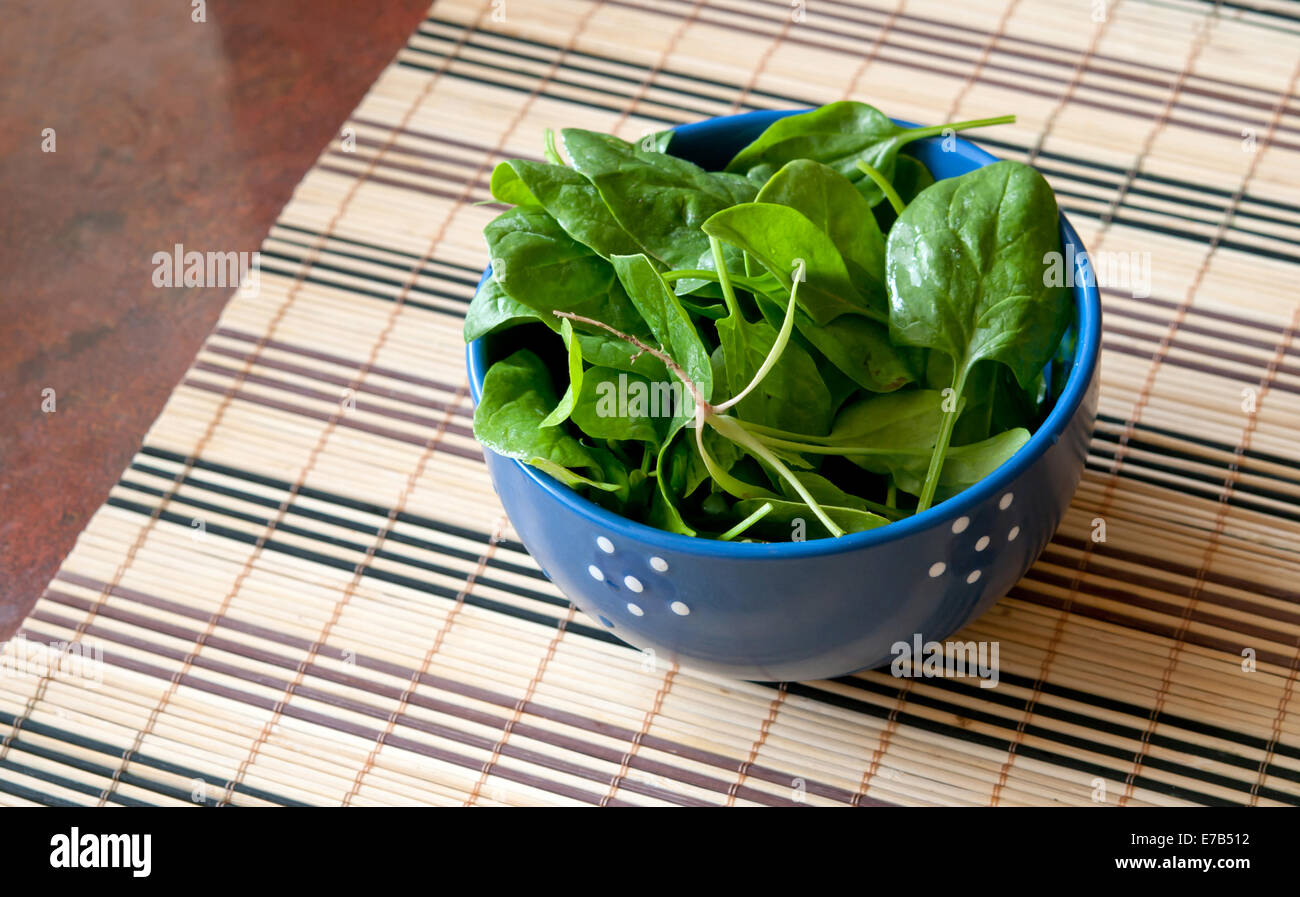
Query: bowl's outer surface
point(815, 609)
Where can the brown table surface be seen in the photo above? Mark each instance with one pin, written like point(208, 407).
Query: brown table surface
point(166, 131)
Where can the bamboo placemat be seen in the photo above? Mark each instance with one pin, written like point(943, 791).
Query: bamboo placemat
point(304, 589)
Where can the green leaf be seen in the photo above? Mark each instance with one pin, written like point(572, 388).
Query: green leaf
point(616, 404)
point(659, 199)
point(910, 178)
point(671, 477)
point(838, 135)
point(517, 396)
point(790, 517)
point(786, 243)
point(966, 266)
point(569, 198)
point(963, 467)
point(827, 493)
point(792, 396)
point(492, 310)
point(897, 422)
point(830, 201)
point(506, 186)
point(858, 347)
point(668, 322)
point(966, 270)
point(541, 267)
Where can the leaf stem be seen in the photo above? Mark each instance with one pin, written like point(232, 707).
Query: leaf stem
point(934, 130)
point(552, 153)
point(763, 510)
point(778, 347)
point(745, 283)
point(945, 437)
point(731, 485)
point(724, 277)
point(885, 187)
point(836, 448)
point(731, 429)
point(773, 432)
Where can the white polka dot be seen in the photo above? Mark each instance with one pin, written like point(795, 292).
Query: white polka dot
point(982, 543)
point(633, 583)
point(973, 577)
point(680, 609)
point(659, 564)
point(959, 525)
point(605, 545)
point(596, 573)
point(634, 610)
point(937, 568)
point(1005, 501)
point(1011, 536)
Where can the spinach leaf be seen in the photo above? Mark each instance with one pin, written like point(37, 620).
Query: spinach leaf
point(788, 390)
point(828, 493)
point(787, 244)
point(569, 198)
point(616, 404)
point(532, 256)
point(830, 201)
point(963, 467)
point(492, 310)
point(838, 135)
point(506, 186)
point(790, 517)
point(964, 263)
point(792, 395)
point(660, 200)
point(670, 476)
point(517, 396)
point(671, 326)
point(910, 178)
point(858, 347)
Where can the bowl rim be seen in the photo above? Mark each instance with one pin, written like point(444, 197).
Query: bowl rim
point(1082, 367)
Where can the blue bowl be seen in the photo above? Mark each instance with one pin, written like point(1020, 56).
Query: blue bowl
point(825, 607)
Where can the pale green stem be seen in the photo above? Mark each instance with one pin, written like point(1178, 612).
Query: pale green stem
point(935, 130)
point(745, 283)
point(731, 429)
point(778, 347)
point(773, 432)
point(836, 448)
point(552, 153)
point(732, 486)
point(945, 436)
point(724, 277)
point(763, 510)
point(885, 187)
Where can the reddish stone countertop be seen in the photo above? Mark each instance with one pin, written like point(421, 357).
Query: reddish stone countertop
point(167, 131)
